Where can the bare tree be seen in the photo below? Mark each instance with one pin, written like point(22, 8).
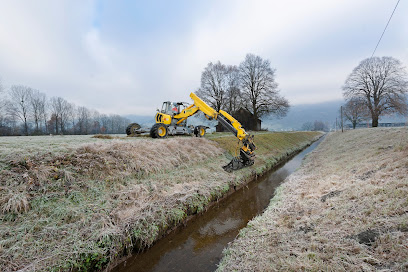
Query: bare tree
point(319, 126)
point(55, 112)
point(381, 83)
point(44, 109)
point(120, 123)
point(214, 85)
point(233, 97)
point(66, 111)
point(105, 123)
point(60, 109)
point(72, 114)
point(116, 123)
point(356, 111)
point(95, 126)
point(308, 126)
point(19, 104)
point(37, 103)
point(259, 89)
point(83, 120)
point(3, 117)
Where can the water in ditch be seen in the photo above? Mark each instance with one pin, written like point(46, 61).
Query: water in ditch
point(198, 246)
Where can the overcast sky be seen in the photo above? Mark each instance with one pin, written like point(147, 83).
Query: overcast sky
point(127, 57)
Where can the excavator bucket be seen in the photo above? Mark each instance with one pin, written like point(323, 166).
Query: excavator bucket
point(237, 163)
point(245, 158)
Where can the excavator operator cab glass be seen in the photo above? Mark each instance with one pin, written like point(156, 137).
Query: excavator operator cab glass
point(171, 108)
point(175, 108)
point(181, 107)
point(166, 108)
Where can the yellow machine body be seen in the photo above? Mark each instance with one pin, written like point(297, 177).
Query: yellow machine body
point(163, 118)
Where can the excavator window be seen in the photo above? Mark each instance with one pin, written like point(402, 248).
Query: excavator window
point(166, 108)
point(175, 108)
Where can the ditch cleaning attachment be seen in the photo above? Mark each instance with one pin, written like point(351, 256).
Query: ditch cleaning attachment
point(246, 156)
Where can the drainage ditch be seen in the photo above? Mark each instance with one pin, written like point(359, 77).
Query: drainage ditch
point(198, 245)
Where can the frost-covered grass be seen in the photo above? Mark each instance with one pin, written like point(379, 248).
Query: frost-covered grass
point(29, 145)
point(77, 202)
point(346, 209)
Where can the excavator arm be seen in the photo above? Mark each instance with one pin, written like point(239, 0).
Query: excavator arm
point(246, 141)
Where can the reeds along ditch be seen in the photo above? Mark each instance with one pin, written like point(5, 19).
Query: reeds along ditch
point(83, 207)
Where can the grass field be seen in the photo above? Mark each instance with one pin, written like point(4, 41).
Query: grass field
point(77, 202)
point(346, 209)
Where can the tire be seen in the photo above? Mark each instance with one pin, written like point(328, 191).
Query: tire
point(199, 131)
point(131, 128)
point(159, 131)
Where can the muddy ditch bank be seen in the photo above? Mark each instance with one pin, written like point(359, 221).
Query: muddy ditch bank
point(198, 243)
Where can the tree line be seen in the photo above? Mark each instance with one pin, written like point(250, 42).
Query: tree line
point(27, 111)
point(251, 85)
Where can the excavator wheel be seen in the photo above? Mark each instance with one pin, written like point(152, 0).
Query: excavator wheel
point(131, 128)
point(199, 131)
point(159, 131)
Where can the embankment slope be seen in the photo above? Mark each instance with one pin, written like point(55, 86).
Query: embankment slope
point(68, 206)
point(345, 209)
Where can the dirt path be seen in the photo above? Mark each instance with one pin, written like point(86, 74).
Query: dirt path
point(345, 209)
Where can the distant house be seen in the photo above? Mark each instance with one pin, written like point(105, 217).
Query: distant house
point(246, 118)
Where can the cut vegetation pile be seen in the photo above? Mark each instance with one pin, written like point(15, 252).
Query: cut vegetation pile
point(346, 209)
point(81, 206)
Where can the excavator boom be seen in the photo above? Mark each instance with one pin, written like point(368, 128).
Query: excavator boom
point(247, 155)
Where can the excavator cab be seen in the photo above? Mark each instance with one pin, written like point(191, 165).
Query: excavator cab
point(172, 108)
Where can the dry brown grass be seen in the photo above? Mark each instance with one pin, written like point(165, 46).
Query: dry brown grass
point(15, 202)
point(346, 209)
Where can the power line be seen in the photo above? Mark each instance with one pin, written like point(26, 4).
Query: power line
point(385, 28)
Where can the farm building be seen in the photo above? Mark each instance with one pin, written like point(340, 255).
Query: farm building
point(246, 118)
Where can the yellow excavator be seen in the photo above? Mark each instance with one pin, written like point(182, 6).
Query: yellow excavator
point(172, 120)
